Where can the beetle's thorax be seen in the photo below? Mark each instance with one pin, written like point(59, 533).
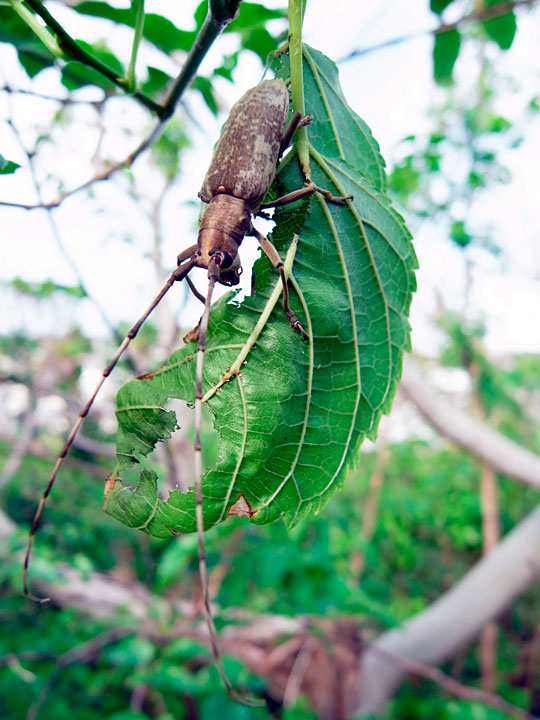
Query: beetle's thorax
point(224, 225)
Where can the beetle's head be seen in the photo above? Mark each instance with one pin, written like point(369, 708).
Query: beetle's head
point(229, 269)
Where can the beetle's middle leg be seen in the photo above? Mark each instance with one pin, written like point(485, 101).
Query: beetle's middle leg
point(304, 192)
point(273, 255)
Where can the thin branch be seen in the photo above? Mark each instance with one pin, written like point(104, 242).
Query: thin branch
point(298, 670)
point(487, 13)
point(101, 176)
point(73, 51)
point(455, 688)
point(220, 14)
point(60, 244)
point(51, 98)
point(485, 443)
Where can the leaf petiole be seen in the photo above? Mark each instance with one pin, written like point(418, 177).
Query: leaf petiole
point(139, 26)
point(296, 17)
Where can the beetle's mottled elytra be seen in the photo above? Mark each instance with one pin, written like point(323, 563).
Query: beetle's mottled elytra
point(245, 159)
point(242, 169)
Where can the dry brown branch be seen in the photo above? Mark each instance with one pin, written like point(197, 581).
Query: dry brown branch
point(457, 689)
point(484, 443)
point(105, 174)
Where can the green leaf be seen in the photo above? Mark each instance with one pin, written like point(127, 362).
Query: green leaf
point(251, 26)
point(501, 29)
point(459, 234)
point(7, 167)
point(158, 30)
point(292, 421)
point(156, 81)
point(439, 6)
point(445, 54)
point(205, 87)
point(252, 14)
point(45, 289)
point(33, 55)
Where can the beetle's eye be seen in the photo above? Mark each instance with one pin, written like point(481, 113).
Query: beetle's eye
point(227, 259)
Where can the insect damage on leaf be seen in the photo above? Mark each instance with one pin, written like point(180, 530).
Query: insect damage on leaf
point(291, 424)
point(241, 508)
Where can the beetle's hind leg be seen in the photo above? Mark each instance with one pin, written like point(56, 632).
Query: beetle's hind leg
point(273, 255)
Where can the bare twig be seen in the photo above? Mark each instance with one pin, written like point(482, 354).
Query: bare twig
point(51, 98)
point(105, 174)
point(58, 239)
point(486, 13)
point(298, 670)
point(220, 14)
point(455, 688)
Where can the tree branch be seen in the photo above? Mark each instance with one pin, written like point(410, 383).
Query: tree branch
point(486, 444)
point(437, 633)
point(220, 14)
point(360, 678)
point(486, 13)
point(455, 688)
point(74, 51)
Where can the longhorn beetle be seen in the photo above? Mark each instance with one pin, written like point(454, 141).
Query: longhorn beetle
point(242, 169)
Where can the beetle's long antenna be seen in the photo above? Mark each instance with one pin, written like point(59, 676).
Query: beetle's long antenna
point(179, 274)
point(203, 568)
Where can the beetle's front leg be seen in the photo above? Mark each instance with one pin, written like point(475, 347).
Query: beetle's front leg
point(273, 255)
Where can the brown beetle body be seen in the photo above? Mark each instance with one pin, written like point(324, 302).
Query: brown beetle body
point(242, 169)
point(245, 159)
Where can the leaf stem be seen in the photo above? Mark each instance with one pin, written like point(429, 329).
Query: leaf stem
point(296, 16)
point(139, 26)
point(42, 33)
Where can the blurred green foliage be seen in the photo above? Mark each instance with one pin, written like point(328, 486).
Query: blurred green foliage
point(427, 535)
